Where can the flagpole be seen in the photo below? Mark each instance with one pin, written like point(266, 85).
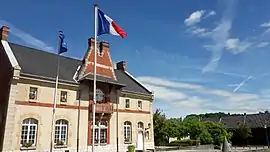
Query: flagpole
point(78, 120)
point(54, 103)
point(95, 78)
point(117, 131)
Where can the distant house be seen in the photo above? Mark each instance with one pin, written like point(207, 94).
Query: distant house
point(259, 124)
point(27, 83)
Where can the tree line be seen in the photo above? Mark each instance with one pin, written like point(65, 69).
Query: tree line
point(202, 131)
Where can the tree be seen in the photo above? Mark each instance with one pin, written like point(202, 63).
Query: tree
point(160, 130)
point(194, 128)
point(244, 132)
point(173, 128)
point(217, 131)
point(206, 138)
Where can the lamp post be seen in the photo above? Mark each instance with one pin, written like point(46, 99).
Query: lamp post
point(266, 133)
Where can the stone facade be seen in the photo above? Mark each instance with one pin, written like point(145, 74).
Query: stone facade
point(19, 108)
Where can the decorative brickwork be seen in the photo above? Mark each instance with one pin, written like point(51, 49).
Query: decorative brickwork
point(104, 61)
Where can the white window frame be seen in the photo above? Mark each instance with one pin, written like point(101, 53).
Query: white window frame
point(62, 124)
point(31, 122)
point(98, 127)
point(127, 131)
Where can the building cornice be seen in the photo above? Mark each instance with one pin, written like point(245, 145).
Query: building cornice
point(125, 93)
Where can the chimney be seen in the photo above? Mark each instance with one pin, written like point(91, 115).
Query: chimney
point(245, 117)
point(121, 65)
point(91, 42)
point(220, 119)
point(104, 44)
point(4, 33)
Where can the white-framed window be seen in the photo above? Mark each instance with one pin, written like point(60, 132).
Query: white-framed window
point(127, 103)
point(33, 93)
point(29, 132)
point(139, 104)
point(101, 132)
point(63, 96)
point(127, 131)
point(61, 132)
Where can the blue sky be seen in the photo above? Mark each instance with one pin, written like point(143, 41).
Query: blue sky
point(197, 56)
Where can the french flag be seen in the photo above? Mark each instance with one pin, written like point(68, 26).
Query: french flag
point(107, 26)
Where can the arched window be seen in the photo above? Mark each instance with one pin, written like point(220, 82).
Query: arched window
point(140, 125)
point(127, 131)
point(61, 132)
point(29, 132)
point(100, 95)
point(101, 132)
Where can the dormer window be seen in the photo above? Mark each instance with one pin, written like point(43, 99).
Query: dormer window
point(33, 93)
point(63, 97)
point(127, 103)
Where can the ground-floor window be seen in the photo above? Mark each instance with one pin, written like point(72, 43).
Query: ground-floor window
point(127, 131)
point(29, 132)
point(61, 132)
point(101, 132)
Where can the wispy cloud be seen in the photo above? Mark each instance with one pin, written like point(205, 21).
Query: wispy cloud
point(27, 38)
point(266, 25)
point(242, 83)
point(220, 35)
point(236, 46)
point(197, 98)
point(262, 44)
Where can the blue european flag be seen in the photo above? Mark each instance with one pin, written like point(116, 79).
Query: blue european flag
point(63, 44)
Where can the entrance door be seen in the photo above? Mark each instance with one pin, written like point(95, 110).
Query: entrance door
point(140, 141)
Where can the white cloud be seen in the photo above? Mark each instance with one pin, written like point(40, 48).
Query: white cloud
point(212, 13)
point(194, 18)
point(191, 102)
point(27, 38)
point(237, 46)
point(197, 16)
point(166, 94)
point(262, 44)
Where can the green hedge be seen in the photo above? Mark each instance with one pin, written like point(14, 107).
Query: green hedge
point(187, 142)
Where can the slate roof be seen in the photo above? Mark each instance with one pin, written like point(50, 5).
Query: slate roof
point(251, 120)
point(131, 85)
point(44, 64)
point(41, 63)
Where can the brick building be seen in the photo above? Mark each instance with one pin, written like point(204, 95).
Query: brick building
point(27, 82)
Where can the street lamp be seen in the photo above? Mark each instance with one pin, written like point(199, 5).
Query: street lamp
point(266, 134)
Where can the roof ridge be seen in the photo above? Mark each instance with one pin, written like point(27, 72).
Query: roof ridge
point(36, 49)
